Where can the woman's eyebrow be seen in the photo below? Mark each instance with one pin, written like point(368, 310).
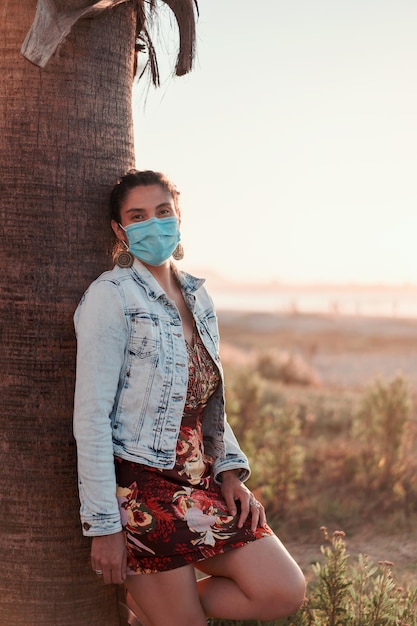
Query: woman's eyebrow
point(160, 206)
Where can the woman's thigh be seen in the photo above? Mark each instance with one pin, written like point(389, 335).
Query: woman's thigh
point(168, 598)
point(264, 572)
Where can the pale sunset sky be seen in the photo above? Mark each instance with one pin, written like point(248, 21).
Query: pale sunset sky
point(293, 141)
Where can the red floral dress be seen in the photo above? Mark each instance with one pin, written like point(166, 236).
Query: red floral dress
point(179, 516)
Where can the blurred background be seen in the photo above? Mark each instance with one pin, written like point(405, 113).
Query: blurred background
point(293, 143)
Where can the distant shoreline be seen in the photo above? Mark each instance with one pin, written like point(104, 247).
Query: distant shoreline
point(220, 282)
point(361, 302)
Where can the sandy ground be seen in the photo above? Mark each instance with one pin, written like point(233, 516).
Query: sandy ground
point(400, 550)
point(344, 351)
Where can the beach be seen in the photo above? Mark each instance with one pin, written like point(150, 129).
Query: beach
point(344, 350)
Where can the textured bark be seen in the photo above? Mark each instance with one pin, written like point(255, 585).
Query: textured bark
point(65, 135)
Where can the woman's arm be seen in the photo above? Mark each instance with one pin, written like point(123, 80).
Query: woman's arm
point(101, 340)
point(234, 459)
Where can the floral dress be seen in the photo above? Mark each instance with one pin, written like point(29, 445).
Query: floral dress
point(179, 516)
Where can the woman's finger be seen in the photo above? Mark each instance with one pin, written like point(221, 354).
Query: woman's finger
point(258, 513)
point(262, 517)
point(245, 498)
point(229, 498)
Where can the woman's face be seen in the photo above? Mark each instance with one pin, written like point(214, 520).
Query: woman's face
point(141, 204)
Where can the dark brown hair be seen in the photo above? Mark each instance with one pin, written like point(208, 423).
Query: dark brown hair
point(136, 178)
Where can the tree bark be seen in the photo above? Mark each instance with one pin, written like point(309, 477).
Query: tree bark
point(65, 135)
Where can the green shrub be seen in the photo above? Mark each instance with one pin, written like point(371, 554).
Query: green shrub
point(379, 427)
point(278, 459)
point(304, 443)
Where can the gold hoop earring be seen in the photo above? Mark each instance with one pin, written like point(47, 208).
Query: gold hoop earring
point(125, 258)
point(178, 253)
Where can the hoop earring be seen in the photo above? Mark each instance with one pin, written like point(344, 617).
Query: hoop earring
point(178, 253)
point(124, 258)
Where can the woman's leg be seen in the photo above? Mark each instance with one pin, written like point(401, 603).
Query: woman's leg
point(257, 581)
point(167, 598)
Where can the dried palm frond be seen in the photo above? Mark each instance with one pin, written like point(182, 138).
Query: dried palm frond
point(53, 22)
point(144, 44)
point(185, 12)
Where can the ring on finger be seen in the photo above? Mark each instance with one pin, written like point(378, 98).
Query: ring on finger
point(99, 572)
point(254, 502)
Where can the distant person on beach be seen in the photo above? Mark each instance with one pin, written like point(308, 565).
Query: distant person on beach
point(161, 474)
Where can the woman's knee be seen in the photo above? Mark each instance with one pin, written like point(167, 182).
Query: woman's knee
point(284, 582)
point(296, 591)
point(284, 595)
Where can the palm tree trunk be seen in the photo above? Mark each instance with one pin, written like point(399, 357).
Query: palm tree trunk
point(65, 135)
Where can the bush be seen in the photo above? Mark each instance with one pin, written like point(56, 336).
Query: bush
point(327, 456)
point(286, 368)
point(379, 428)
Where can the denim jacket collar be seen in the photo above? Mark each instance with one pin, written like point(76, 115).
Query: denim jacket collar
point(188, 283)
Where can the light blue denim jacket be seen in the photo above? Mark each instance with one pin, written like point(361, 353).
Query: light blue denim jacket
point(132, 376)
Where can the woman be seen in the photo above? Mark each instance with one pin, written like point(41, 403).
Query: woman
point(161, 475)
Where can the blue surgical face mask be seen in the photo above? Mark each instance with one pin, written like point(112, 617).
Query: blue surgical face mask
point(154, 240)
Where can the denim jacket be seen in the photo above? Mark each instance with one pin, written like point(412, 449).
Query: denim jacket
point(132, 376)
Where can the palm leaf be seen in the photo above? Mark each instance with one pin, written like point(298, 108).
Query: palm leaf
point(185, 12)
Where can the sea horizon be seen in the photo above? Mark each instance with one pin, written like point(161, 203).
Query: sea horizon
point(395, 301)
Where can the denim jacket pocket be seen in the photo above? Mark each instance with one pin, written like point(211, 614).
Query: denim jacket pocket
point(144, 338)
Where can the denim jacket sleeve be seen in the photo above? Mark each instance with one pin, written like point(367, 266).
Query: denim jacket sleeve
point(102, 334)
point(234, 457)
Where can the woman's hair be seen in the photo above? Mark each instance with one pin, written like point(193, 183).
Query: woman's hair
point(135, 178)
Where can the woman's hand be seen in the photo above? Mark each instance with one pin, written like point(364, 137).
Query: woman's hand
point(109, 558)
point(233, 489)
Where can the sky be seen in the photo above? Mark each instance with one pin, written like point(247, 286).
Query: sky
point(293, 141)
